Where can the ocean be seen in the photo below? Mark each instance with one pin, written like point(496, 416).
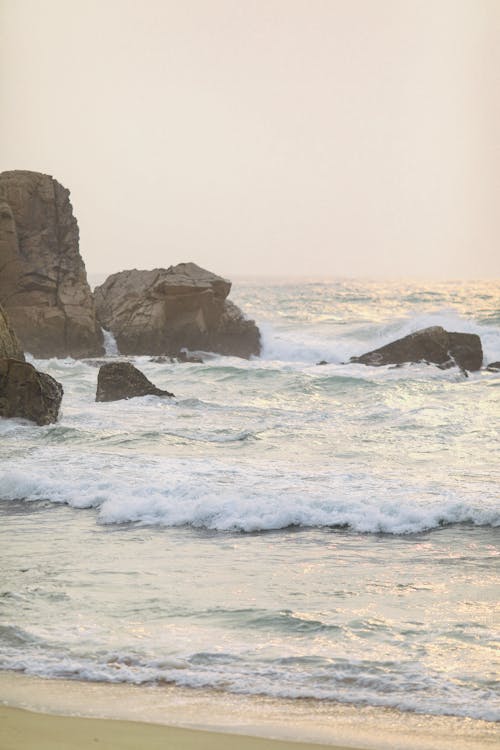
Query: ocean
point(280, 528)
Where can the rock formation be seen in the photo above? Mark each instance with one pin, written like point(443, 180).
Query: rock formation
point(165, 310)
point(118, 380)
point(433, 345)
point(9, 345)
point(43, 283)
point(27, 393)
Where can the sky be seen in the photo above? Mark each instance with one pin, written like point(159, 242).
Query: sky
point(327, 138)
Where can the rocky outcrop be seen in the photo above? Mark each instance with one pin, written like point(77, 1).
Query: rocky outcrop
point(9, 344)
point(493, 367)
point(433, 345)
point(165, 310)
point(118, 380)
point(27, 393)
point(43, 283)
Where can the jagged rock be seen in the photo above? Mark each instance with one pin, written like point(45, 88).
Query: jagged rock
point(9, 344)
point(162, 359)
point(164, 310)
point(43, 283)
point(118, 380)
point(25, 392)
point(434, 345)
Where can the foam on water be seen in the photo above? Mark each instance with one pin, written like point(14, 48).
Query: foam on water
point(338, 343)
point(226, 497)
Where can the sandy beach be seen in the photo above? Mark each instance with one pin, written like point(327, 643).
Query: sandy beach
point(70, 714)
point(29, 730)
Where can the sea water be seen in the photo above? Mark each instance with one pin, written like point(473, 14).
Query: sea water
point(280, 528)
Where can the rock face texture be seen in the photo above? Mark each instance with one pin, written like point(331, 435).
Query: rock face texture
point(118, 380)
point(165, 310)
point(9, 345)
point(27, 393)
point(434, 345)
point(43, 283)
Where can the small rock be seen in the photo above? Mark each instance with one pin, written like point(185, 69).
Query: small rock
point(27, 393)
point(118, 380)
point(493, 367)
point(184, 356)
point(322, 362)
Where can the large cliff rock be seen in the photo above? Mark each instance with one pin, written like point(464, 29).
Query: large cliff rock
point(433, 345)
point(165, 310)
point(28, 393)
point(43, 283)
point(9, 344)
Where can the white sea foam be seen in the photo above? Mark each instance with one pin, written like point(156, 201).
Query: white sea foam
point(110, 345)
point(412, 688)
point(337, 343)
point(224, 497)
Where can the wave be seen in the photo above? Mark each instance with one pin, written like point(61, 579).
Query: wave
point(337, 343)
point(363, 682)
point(206, 493)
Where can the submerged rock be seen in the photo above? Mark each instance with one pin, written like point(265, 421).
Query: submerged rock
point(118, 380)
point(27, 393)
point(163, 311)
point(9, 344)
point(433, 345)
point(43, 282)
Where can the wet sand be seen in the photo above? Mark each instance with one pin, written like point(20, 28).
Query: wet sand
point(26, 730)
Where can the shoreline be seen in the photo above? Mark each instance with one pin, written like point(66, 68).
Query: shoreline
point(35, 710)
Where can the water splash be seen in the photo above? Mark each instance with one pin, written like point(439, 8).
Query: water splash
point(110, 345)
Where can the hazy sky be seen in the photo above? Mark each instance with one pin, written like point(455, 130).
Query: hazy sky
point(319, 137)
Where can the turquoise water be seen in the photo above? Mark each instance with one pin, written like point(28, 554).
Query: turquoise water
point(279, 528)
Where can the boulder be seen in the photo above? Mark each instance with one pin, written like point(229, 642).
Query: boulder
point(9, 344)
point(118, 380)
point(162, 311)
point(433, 345)
point(27, 393)
point(43, 282)
point(493, 367)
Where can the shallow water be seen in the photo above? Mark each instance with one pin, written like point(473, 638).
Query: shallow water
point(279, 528)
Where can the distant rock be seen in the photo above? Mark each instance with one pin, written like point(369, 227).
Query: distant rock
point(493, 366)
point(163, 311)
point(9, 344)
point(181, 357)
point(118, 380)
point(27, 393)
point(433, 345)
point(43, 283)
point(185, 357)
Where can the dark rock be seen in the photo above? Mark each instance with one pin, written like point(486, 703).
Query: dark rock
point(322, 362)
point(493, 366)
point(27, 393)
point(118, 380)
point(184, 356)
point(9, 344)
point(162, 311)
point(43, 282)
point(433, 345)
